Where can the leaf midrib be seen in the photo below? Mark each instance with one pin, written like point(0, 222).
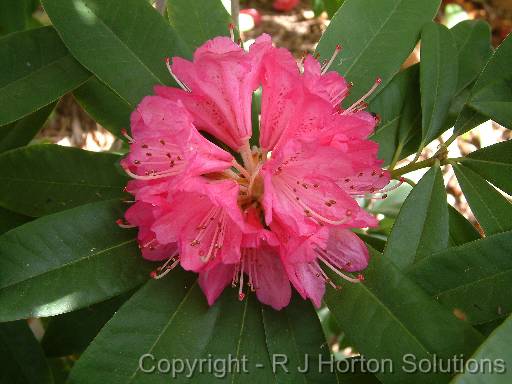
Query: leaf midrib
point(167, 325)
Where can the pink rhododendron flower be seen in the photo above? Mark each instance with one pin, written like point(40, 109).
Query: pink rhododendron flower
point(282, 215)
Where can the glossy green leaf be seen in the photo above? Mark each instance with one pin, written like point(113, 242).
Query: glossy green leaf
point(461, 230)
point(10, 220)
point(23, 361)
point(495, 101)
point(497, 70)
point(473, 41)
point(438, 78)
point(13, 15)
point(35, 70)
point(123, 43)
point(492, 210)
point(71, 333)
point(468, 119)
point(21, 132)
point(104, 106)
point(199, 20)
point(331, 6)
point(182, 325)
point(67, 261)
point(487, 328)
point(399, 108)
point(42, 179)
point(472, 278)
point(296, 333)
point(494, 163)
point(377, 37)
point(388, 316)
point(172, 319)
point(422, 223)
point(497, 350)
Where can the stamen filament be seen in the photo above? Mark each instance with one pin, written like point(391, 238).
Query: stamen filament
point(326, 67)
point(364, 97)
point(178, 81)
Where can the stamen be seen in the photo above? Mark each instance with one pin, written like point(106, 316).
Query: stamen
point(166, 268)
point(178, 81)
point(241, 294)
point(124, 132)
point(154, 175)
point(232, 31)
point(308, 210)
point(326, 66)
point(364, 97)
point(241, 169)
point(337, 271)
point(121, 223)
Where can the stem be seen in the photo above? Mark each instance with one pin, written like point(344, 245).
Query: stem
point(422, 164)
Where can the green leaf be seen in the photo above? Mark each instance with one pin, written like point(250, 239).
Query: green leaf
point(471, 278)
point(72, 332)
point(399, 108)
point(498, 350)
point(13, 15)
point(473, 41)
point(23, 361)
point(438, 78)
point(42, 179)
point(35, 70)
point(172, 319)
point(494, 163)
point(10, 220)
point(492, 210)
point(388, 316)
point(199, 20)
point(123, 43)
point(422, 223)
point(497, 70)
point(468, 119)
point(377, 37)
point(331, 6)
point(67, 261)
point(495, 101)
point(461, 230)
point(21, 132)
point(296, 333)
point(104, 106)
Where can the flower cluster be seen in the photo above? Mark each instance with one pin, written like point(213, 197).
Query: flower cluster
point(264, 217)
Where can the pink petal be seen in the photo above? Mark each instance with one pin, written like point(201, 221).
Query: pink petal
point(213, 280)
point(347, 250)
point(306, 282)
point(331, 86)
point(272, 284)
point(221, 81)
